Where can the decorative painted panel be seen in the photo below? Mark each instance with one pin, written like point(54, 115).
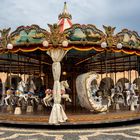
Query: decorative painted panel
point(84, 33)
point(129, 38)
point(30, 34)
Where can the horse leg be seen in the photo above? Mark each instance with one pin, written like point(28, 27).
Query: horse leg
point(127, 100)
point(109, 102)
point(112, 95)
point(68, 98)
point(6, 102)
point(50, 101)
point(36, 100)
point(44, 100)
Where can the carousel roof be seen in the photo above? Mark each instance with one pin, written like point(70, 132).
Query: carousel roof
point(86, 43)
point(64, 19)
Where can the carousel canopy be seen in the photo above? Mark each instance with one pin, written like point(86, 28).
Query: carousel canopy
point(86, 44)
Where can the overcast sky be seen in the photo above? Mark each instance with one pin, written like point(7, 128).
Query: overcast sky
point(119, 13)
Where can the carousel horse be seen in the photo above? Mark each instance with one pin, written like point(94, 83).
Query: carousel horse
point(117, 96)
point(119, 91)
point(31, 92)
point(49, 94)
point(9, 96)
point(131, 97)
point(64, 85)
point(20, 91)
point(31, 87)
point(48, 98)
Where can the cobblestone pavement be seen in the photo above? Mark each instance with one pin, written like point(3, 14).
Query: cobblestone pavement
point(117, 133)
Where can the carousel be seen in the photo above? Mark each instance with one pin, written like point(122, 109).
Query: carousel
point(69, 74)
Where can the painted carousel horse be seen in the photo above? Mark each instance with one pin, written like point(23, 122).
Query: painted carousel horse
point(117, 96)
point(64, 85)
point(31, 92)
point(49, 94)
point(131, 97)
point(20, 91)
point(9, 96)
point(48, 98)
point(31, 87)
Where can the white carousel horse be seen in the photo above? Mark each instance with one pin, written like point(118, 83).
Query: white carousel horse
point(117, 96)
point(131, 97)
point(49, 94)
point(64, 85)
point(20, 91)
point(32, 87)
point(31, 91)
point(48, 98)
point(9, 94)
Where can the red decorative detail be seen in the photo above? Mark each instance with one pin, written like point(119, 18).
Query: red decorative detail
point(49, 91)
point(64, 19)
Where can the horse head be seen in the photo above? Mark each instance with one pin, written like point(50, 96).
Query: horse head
point(65, 84)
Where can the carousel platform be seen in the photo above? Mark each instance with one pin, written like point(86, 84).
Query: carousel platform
point(79, 119)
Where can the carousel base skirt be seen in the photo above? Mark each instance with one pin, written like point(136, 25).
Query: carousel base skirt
point(73, 119)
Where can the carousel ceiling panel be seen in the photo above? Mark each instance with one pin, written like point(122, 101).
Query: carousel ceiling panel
point(84, 33)
point(28, 35)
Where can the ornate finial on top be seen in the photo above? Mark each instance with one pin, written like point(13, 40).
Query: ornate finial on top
point(110, 38)
point(65, 13)
point(56, 37)
point(4, 37)
point(109, 30)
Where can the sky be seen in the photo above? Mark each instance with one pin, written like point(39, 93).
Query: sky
point(118, 13)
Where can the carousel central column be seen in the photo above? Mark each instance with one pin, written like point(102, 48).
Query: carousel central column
point(57, 114)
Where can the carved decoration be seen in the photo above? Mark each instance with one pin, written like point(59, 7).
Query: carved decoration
point(4, 40)
point(110, 38)
point(55, 37)
point(29, 34)
point(77, 34)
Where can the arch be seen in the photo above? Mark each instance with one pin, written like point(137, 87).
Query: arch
point(123, 81)
point(106, 83)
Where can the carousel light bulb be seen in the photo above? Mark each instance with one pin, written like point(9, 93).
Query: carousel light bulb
point(103, 44)
point(9, 46)
point(65, 43)
point(64, 73)
point(45, 43)
point(119, 45)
